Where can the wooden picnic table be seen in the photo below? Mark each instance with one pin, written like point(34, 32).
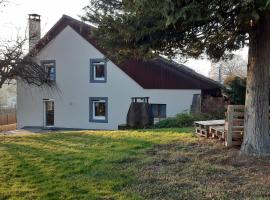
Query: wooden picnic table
point(203, 127)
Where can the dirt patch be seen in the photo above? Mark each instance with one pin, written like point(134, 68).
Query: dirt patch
point(202, 170)
point(11, 130)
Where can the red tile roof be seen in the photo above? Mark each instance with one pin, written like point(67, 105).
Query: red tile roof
point(158, 73)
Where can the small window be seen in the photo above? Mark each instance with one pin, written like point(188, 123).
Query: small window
point(159, 110)
point(98, 71)
point(50, 69)
point(98, 109)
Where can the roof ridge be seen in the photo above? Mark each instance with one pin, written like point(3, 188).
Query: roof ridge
point(76, 20)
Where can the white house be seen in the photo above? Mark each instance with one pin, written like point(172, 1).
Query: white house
point(91, 91)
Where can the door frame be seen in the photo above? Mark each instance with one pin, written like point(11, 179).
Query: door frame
point(44, 113)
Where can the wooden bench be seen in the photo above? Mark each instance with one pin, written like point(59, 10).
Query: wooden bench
point(230, 130)
point(202, 128)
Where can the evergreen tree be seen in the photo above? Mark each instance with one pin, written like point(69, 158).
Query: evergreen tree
point(140, 28)
point(236, 87)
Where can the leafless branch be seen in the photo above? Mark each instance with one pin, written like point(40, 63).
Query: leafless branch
point(234, 66)
point(3, 2)
point(14, 65)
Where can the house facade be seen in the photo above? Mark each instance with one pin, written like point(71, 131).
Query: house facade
point(91, 91)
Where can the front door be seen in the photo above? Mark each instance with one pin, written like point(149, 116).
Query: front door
point(48, 113)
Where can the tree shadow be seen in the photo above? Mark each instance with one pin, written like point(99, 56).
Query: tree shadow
point(201, 171)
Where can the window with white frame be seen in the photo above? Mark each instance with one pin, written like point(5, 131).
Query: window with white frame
point(49, 66)
point(98, 109)
point(98, 70)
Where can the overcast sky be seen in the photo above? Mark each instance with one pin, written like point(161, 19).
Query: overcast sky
point(13, 21)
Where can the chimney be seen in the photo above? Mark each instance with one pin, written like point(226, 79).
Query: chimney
point(34, 30)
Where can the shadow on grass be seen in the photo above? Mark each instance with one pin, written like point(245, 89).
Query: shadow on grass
point(202, 171)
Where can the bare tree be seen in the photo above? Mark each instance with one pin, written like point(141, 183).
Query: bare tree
point(235, 65)
point(2, 2)
point(14, 64)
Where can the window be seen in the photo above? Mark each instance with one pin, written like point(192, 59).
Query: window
point(49, 66)
point(98, 107)
point(98, 71)
point(159, 110)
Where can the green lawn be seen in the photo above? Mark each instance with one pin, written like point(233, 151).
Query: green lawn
point(153, 164)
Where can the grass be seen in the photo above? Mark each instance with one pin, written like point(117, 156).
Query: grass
point(142, 164)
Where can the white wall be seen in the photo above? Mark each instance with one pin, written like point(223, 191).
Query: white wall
point(72, 54)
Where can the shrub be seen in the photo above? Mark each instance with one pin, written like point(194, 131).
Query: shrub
point(167, 123)
point(180, 121)
point(236, 90)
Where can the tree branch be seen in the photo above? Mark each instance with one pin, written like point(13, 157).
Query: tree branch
point(15, 65)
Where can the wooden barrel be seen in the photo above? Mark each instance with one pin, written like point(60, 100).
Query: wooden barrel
point(140, 115)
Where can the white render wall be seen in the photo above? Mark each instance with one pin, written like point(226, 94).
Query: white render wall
point(72, 54)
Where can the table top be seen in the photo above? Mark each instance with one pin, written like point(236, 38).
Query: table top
point(210, 122)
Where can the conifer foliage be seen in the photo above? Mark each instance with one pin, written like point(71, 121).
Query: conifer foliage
point(190, 28)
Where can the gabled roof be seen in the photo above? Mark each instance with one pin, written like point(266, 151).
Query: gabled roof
point(158, 73)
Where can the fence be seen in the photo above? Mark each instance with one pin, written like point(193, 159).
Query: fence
point(7, 116)
point(234, 125)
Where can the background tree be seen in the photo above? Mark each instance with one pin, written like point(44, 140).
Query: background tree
point(140, 28)
point(234, 66)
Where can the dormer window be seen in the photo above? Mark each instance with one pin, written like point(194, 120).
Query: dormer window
point(49, 66)
point(98, 71)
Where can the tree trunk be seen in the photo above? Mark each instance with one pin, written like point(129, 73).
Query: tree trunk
point(257, 137)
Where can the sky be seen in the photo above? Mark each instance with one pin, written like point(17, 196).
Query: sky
point(13, 21)
point(203, 66)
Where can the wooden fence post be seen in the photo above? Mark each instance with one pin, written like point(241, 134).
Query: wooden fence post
point(228, 139)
